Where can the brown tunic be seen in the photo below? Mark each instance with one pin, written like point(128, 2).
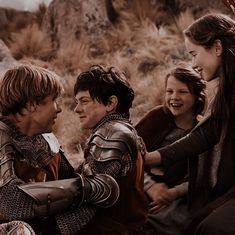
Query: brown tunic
point(29, 173)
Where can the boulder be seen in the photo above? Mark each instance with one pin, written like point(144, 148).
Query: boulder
point(6, 59)
point(66, 20)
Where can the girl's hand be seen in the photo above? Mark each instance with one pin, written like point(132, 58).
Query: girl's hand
point(152, 158)
point(161, 197)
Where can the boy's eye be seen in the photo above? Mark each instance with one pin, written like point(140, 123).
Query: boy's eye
point(169, 91)
point(184, 92)
point(85, 101)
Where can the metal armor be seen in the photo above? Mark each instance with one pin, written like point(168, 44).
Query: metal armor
point(52, 196)
point(114, 140)
point(16, 227)
point(6, 157)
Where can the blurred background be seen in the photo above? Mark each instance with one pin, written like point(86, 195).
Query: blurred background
point(142, 38)
point(26, 5)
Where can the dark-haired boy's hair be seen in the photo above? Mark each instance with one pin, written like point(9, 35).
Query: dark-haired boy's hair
point(103, 82)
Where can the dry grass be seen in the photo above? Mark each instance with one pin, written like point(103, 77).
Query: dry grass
point(137, 44)
point(184, 20)
point(139, 53)
point(136, 11)
point(117, 38)
point(69, 133)
point(40, 12)
point(71, 58)
point(67, 127)
point(31, 42)
point(13, 21)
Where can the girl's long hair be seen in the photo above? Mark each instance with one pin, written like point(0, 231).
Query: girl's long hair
point(205, 31)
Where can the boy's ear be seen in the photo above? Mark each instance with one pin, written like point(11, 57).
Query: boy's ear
point(112, 104)
point(31, 107)
point(218, 47)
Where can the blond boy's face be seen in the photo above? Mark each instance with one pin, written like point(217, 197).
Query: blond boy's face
point(45, 114)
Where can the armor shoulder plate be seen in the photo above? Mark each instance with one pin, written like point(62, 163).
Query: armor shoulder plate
point(113, 140)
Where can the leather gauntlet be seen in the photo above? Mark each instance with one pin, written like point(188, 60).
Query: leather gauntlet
point(101, 190)
point(53, 196)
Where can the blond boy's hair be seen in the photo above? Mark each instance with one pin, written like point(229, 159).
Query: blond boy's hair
point(26, 84)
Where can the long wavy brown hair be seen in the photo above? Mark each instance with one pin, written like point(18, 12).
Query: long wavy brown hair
point(205, 31)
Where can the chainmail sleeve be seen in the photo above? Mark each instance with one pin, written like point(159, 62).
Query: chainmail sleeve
point(60, 198)
point(71, 222)
point(111, 167)
point(66, 171)
point(14, 203)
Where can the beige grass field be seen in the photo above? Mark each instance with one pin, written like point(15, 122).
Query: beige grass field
point(141, 48)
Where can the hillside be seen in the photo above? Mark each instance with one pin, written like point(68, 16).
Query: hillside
point(143, 38)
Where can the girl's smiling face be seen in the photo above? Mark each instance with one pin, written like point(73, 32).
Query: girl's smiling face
point(178, 98)
point(206, 61)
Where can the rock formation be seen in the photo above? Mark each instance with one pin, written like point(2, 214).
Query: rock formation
point(6, 59)
point(66, 20)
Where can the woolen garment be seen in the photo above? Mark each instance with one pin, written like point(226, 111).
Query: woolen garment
point(158, 128)
point(153, 128)
point(206, 182)
point(219, 222)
